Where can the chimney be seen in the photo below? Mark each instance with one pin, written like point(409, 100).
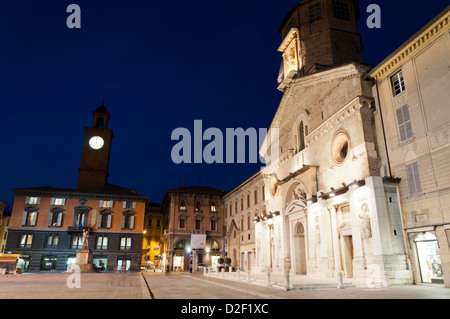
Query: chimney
point(183, 185)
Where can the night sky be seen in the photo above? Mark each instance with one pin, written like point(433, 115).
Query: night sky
point(157, 65)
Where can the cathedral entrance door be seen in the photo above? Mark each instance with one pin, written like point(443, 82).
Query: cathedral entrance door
point(347, 255)
point(300, 249)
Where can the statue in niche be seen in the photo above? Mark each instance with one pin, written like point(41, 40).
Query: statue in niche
point(291, 60)
point(297, 199)
point(365, 222)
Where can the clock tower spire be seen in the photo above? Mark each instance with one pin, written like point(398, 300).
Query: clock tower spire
point(94, 167)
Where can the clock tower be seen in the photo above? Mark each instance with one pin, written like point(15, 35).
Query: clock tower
point(93, 172)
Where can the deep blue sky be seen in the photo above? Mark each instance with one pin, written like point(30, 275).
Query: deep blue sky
point(158, 65)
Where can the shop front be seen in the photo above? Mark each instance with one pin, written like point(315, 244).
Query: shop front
point(429, 259)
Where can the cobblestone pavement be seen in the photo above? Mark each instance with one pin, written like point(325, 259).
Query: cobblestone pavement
point(186, 286)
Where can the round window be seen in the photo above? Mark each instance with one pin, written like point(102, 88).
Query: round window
point(340, 148)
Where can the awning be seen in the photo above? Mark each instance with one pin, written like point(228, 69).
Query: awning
point(8, 259)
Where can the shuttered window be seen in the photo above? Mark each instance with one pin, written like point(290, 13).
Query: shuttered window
point(29, 217)
point(415, 186)
point(128, 220)
point(398, 84)
point(404, 124)
point(104, 219)
point(55, 217)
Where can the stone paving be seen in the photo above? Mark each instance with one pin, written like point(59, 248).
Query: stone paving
point(189, 286)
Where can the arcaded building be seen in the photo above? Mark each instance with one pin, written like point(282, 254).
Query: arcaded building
point(194, 232)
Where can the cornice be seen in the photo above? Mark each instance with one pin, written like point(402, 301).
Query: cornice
point(418, 42)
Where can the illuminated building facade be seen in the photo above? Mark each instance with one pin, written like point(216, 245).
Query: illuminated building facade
point(47, 223)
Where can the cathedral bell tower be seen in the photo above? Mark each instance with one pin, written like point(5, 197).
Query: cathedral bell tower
point(94, 167)
point(318, 35)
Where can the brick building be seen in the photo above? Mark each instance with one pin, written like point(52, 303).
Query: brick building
point(47, 223)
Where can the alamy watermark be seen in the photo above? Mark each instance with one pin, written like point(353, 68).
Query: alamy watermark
point(212, 146)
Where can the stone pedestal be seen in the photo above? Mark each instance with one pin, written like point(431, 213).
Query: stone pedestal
point(84, 260)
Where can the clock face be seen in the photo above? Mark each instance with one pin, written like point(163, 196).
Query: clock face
point(96, 142)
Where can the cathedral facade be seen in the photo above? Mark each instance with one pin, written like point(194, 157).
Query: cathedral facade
point(328, 210)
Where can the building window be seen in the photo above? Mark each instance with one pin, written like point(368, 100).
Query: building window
point(315, 12)
point(77, 242)
point(213, 207)
point(52, 241)
point(256, 196)
point(248, 200)
point(341, 10)
point(198, 206)
point(102, 242)
point(81, 219)
point(301, 135)
point(104, 220)
point(248, 222)
point(106, 203)
point(29, 217)
point(32, 200)
point(242, 203)
point(58, 201)
point(125, 243)
point(128, 220)
point(183, 205)
point(158, 222)
point(404, 124)
point(26, 241)
point(55, 217)
point(182, 223)
point(213, 225)
point(198, 224)
point(398, 84)
point(129, 205)
point(263, 193)
point(415, 186)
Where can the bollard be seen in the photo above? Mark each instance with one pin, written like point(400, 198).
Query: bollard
point(238, 275)
point(223, 272)
point(204, 271)
point(340, 281)
point(268, 284)
point(287, 282)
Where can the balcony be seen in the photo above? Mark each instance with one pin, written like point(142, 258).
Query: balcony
point(76, 229)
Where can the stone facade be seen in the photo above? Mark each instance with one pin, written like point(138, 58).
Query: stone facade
point(242, 206)
point(413, 125)
point(329, 210)
point(191, 211)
